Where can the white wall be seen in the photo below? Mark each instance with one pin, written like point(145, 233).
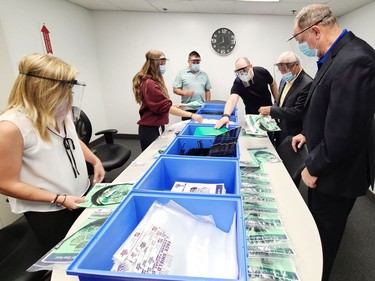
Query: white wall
point(108, 48)
point(125, 37)
point(361, 22)
point(72, 37)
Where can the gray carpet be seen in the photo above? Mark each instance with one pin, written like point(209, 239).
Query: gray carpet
point(354, 260)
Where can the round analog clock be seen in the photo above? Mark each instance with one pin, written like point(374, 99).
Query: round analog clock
point(223, 41)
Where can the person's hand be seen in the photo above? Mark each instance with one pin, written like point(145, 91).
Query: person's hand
point(99, 172)
point(69, 201)
point(197, 118)
point(221, 122)
point(189, 93)
point(264, 110)
point(308, 179)
point(298, 141)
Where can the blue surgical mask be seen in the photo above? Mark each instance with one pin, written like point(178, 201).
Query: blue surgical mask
point(162, 69)
point(289, 76)
point(195, 67)
point(304, 48)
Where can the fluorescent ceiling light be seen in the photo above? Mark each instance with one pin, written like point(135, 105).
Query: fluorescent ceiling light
point(258, 0)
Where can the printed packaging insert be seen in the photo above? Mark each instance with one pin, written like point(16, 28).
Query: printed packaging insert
point(95, 260)
point(167, 169)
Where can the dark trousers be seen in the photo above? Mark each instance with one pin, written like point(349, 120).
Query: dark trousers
point(330, 214)
point(51, 227)
point(147, 134)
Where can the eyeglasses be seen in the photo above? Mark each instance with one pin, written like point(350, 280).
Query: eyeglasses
point(242, 70)
point(286, 64)
point(195, 61)
point(72, 82)
point(162, 61)
point(307, 28)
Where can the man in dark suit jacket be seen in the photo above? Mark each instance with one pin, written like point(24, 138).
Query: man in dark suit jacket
point(290, 102)
point(338, 123)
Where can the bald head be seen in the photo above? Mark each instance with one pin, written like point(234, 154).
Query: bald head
point(242, 63)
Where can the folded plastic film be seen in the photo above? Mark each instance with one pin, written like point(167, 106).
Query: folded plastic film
point(191, 245)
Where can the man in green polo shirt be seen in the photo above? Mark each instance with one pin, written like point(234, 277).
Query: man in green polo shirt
point(192, 84)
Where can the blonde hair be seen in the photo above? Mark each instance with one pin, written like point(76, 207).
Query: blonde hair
point(149, 69)
point(314, 14)
point(43, 83)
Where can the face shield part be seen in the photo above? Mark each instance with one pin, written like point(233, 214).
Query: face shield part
point(77, 95)
point(307, 63)
point(77, 98)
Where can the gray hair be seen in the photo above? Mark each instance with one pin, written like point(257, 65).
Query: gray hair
point(314, 14)
point(289, 56)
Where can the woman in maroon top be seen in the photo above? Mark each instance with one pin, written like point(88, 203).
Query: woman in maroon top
point(151, 93)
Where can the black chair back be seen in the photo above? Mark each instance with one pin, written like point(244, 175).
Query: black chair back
point(112, 155)
point(83, 127)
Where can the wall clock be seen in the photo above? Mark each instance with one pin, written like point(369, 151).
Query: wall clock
point(223, 41)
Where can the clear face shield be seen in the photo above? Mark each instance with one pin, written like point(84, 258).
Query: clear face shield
point(306, 62)
point(77, 94)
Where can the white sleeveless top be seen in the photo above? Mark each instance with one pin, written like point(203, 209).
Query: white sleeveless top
point(46, 164)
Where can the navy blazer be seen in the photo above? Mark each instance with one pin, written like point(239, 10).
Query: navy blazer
point(339, 120)
point(291, 113)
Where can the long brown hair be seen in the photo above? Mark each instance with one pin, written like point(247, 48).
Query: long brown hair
point(149, 69)
point(38, 89)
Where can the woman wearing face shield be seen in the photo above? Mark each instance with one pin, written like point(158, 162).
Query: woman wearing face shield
point(42, 166)
point(152, 95)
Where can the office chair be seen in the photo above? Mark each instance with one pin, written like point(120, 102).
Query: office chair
point(111, 154)
point(293, 162)
point(19, 250)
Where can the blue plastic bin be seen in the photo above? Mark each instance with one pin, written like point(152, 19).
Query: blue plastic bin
point(95, 260)
point(232, 118)
point(214, 109)
point(167, 170)
point(182, 144)
point(190, 128)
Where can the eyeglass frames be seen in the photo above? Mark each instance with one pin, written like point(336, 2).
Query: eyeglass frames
point(242, 70)
point(195, 61)
point(286, 64)
point(161, 60)
point(307, 28)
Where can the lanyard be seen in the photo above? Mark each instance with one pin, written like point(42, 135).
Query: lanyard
point(69, 147)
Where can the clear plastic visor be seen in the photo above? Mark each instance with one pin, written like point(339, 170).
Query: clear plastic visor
point(77, 94)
